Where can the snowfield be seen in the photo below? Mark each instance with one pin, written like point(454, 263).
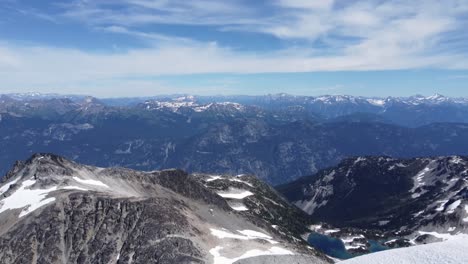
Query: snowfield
point(454, 251)
point(27, 198)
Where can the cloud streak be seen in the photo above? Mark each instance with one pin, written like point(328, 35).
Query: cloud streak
point(353, 36)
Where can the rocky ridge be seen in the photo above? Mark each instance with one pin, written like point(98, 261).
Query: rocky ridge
point(54, 210)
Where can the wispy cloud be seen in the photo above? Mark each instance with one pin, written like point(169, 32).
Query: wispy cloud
point(385, 27)
point(140, 12)
point(352, 35)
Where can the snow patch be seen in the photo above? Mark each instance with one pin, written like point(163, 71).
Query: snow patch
point(457, 160)
point(360, 159)
point(376, 102)
point(235, 194)
point(441, 207)
point(330, 231)
point(241, 181)
point(419, 181)
point(90, 182)
point(453, 206)
point(399, 165)
point(213, 178)
point(384, 222)
point(73, 188)
point(25, 198)
point(239, 207)
point(351, 239)
point(356, 246)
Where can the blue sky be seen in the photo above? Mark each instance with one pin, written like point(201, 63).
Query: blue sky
point(111, 48)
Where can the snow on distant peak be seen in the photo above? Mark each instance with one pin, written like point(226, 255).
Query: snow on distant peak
point(185, 98)
point(189, 102)
point(202, 108)
point(457, 160)
point(436, 97)
point(331, 99)
point(376, 102)
point(359, 160)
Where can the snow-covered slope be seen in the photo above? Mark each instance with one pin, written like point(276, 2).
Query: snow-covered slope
point(454, 251)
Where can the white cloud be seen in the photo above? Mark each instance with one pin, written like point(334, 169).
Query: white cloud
point(306, 4)
point(54, 67)
point(358, 35)
point(141, 12)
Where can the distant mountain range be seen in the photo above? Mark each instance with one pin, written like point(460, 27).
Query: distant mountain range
point(279, 138)
point(411, 111)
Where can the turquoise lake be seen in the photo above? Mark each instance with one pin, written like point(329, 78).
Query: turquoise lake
point(334, 247)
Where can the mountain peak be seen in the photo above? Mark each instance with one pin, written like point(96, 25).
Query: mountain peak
point(194, 218)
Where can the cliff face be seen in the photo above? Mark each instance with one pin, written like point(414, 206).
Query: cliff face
point(56, 211)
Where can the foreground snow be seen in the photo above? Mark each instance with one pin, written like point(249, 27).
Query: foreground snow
point(454, 251)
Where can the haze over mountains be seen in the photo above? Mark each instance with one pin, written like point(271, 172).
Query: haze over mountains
point(279, 138)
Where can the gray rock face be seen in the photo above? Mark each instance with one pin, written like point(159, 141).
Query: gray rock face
point(83, 228)
point(56, 211)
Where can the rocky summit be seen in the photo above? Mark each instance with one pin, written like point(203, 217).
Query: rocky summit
point(53, 210)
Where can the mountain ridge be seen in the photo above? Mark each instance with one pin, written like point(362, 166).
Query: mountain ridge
point(54, 210)
point(406, 202)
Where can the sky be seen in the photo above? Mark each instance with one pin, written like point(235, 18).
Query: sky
point(116, 48)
